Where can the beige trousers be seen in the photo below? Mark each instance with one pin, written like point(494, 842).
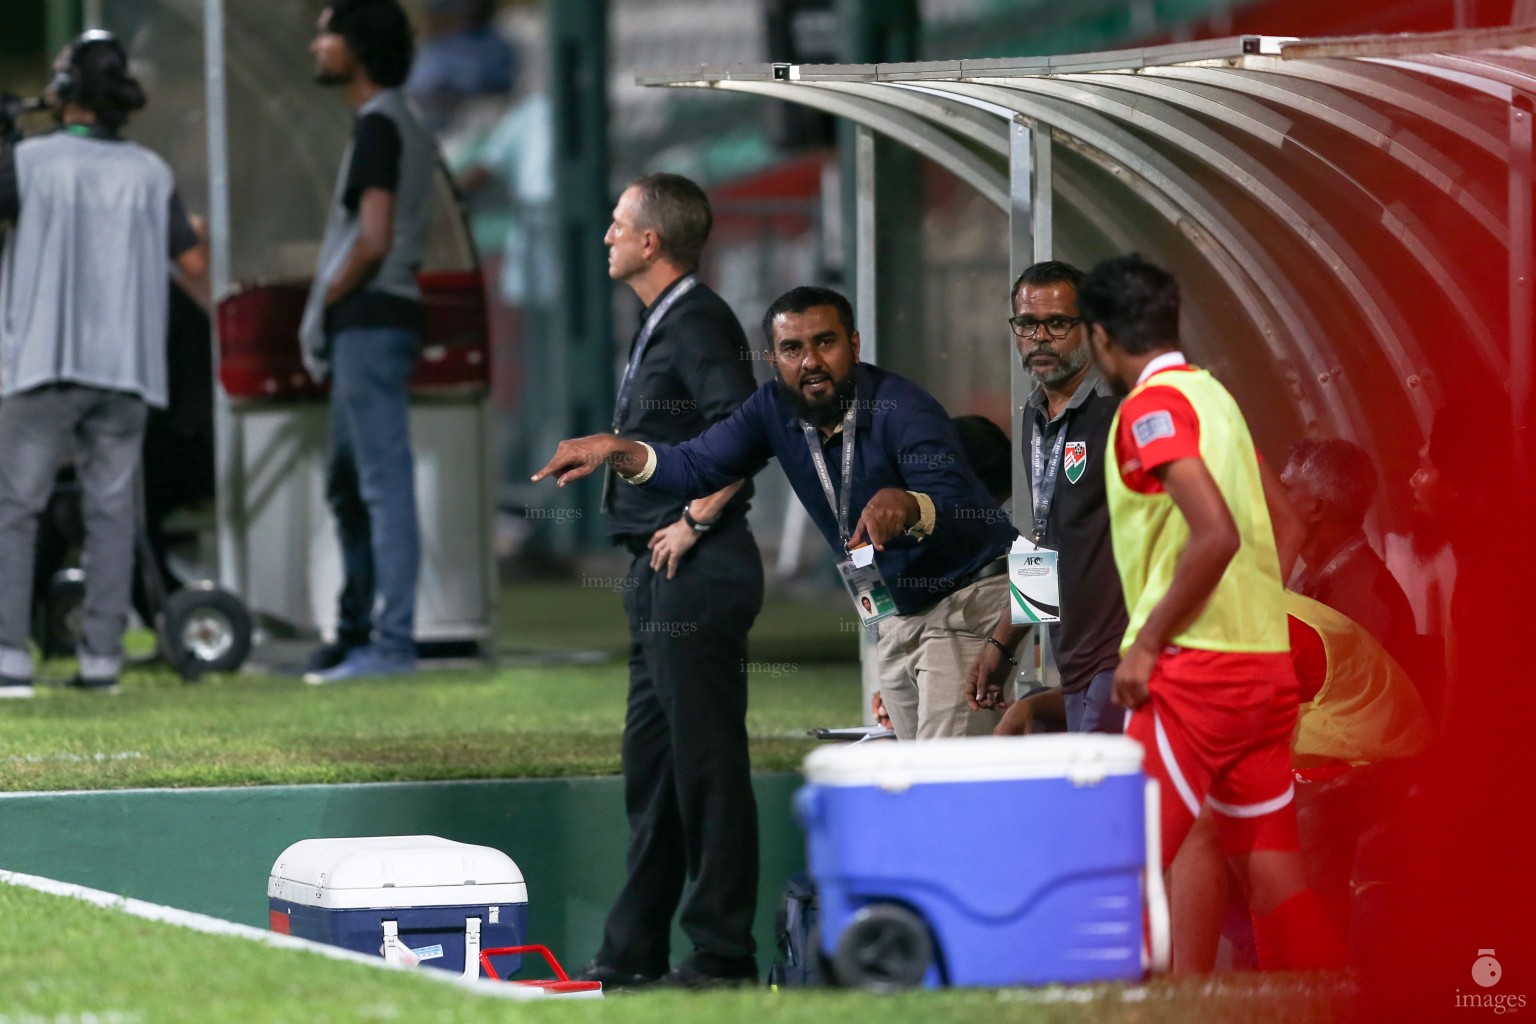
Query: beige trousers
point(924, 660)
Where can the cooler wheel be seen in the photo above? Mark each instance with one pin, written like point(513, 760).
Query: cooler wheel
point(885, 948)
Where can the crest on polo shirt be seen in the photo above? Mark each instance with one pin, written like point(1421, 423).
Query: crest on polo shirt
point(1152, 426)
point(1074, 460)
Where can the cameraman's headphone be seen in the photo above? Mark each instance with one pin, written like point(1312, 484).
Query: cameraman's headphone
point(65, 81)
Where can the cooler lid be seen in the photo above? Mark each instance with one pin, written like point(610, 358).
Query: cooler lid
point(1082, 759)
point(388, 871)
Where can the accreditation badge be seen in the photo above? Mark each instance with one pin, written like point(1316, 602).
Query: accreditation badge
point(871, 597)
point(1034, 589)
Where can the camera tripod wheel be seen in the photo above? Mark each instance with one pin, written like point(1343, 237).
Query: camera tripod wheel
point(205, 629)
point(56, 625)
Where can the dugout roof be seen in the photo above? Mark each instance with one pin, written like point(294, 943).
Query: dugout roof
point(1351, 219)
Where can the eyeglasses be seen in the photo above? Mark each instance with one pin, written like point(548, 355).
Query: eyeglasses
point(1057, 327)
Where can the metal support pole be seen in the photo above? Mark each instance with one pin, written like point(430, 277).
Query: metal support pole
point(874, 31)
point(866, 316)
point(1522, 238)
point(578, 356)
point(1029, 241)
point(229, 495)
point(865, 244)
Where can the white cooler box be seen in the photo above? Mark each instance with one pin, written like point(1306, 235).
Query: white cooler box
point(407, 898)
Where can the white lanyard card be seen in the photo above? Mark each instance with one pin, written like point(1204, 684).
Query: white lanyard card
point(1034, 589)
point(871, 597)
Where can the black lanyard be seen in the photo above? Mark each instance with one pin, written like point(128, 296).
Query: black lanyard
point(839, 504)
point(1043, 475)
point(627, 383)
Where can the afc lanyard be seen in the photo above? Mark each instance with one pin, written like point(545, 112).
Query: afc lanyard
point(1043, 476)
point(839, 503)
point(627, 382)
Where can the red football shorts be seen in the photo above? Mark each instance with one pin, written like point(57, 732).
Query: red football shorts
point(1217, 728)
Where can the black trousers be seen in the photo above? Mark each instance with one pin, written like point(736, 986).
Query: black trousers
point(687, 774)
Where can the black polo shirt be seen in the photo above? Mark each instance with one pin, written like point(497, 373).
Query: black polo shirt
point(696, 370)
point(1087, 639)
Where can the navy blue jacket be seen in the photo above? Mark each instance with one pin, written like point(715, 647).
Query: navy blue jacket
point(904, 439)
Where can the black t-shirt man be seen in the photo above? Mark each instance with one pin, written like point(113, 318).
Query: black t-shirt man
point(376, 150)
point(1087, 639)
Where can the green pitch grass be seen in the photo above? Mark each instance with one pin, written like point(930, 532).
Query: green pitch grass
point(68, 960)
point(461, 724)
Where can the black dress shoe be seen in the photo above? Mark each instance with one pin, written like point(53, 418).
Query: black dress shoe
point(693, 975)
point(613, 979)
point(93, 685)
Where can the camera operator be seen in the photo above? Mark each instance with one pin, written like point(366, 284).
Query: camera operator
point(83, 310)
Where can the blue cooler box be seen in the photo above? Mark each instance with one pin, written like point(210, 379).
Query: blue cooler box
point(410, 899)
point(987, 861)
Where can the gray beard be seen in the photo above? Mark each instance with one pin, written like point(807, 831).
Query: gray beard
point(1065, 369)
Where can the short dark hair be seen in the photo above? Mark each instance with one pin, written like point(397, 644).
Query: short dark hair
point(99, 68)
point(808, 296)
point(1046, 273)
point(678, 211)
point(1343, 475)
point(1136, 302)
point(379, 35)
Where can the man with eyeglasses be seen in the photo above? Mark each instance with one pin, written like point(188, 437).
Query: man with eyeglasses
point(1065, 435)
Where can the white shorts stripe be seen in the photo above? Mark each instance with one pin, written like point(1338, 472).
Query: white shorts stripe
point(1172, 765)
point(1254, 810)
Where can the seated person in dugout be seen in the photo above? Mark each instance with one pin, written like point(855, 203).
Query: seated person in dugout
point(876, 462)
point(1360, 717)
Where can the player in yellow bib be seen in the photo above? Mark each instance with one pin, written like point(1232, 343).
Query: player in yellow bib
point(1205, 663)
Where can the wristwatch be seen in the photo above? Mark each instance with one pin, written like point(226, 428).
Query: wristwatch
point(694, 524)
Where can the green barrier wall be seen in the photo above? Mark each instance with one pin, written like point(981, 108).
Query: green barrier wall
point(210, 850)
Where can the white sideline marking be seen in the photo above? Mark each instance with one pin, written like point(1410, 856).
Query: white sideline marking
point(99, 756)
point(215, 926)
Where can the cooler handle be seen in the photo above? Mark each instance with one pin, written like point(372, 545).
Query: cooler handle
point(1158, 924)
point(549, 958)
point(472, 948)
point(392, 943)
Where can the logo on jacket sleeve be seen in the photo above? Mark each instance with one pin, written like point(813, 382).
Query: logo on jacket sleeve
point(1074, 460)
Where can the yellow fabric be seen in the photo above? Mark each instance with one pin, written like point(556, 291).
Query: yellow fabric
point(1246, 612)
point(1368, 709)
